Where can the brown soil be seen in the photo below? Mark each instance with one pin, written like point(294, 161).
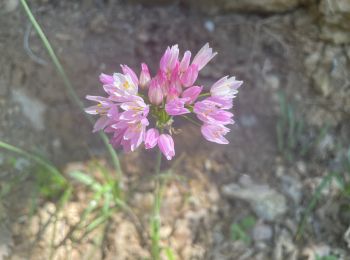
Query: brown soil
point(91, 37)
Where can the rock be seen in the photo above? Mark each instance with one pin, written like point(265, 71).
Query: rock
point(32, 108)
point(262, 232)
point(209, 26)
point(326, 146)
point(248, 120)
point(154, 2)
point(5, 233)
point(126, 243)
point(9, 6)
point(182, 235)
point(267, 203)
point(292, 187)
point(347, 237)
point(259, 6)
point(284, 247)
point(144, 201)
point(98, 24)
point(335, 16)
point(22, 164)
point(165, 231)
point(4, 89)
point(272, 81)
point(322, 251)
point(301, 166)
point(328, 69)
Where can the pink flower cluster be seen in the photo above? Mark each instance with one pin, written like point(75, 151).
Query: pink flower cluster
point(133, 101)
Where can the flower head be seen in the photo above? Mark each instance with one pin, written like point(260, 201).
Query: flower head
point(125, 111)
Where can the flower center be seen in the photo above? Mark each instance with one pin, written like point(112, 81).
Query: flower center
point(126, 85)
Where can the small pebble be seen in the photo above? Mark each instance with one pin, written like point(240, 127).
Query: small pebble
point(209, 26)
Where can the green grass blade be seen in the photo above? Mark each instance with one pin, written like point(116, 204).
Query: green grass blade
point(97, 222)
point(291, 128)
point(170, 253)
point(52, 169)
point(65, 197)
point(86, 180)
point(68, 85)
point(280, 139)
point(108, 198)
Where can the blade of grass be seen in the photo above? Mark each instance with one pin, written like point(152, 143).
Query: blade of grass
point(169, 253)
point(291, 127)
point(86, 180)
point(34, 158)
point(96, 222)
point(280, 140)
point(68, 85)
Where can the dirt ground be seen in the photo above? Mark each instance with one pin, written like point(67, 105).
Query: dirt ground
point(271, 53)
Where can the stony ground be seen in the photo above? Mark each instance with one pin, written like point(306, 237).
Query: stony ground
point(303, 53)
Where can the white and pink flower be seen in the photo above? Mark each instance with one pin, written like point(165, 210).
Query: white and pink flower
point(172, 92)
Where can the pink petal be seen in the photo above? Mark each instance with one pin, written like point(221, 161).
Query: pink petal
point(106, 79)
point(155, 92)
point(204, 55)
point(128, 71)
point(169, 59)
point(222, 102)
point(185, 62)
point(192, 94)
point(151, 138)
point(190, 75)
point(101, 123)
point(145, 77)
point(215, 133)
point(176, 107)
point(166, 146)
point(92, 110)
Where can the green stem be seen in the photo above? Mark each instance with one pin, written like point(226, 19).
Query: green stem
point(68, 85)
point(155, 221)
point(192, 121)
point(204, 95)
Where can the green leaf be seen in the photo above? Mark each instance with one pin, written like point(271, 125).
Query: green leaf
point(248, 222)
point(237, 233)
point(327, 257)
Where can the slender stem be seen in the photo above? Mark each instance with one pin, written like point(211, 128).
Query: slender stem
point(68, 85)
point(192, 121)
point(204, 95)
point(155, 221)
